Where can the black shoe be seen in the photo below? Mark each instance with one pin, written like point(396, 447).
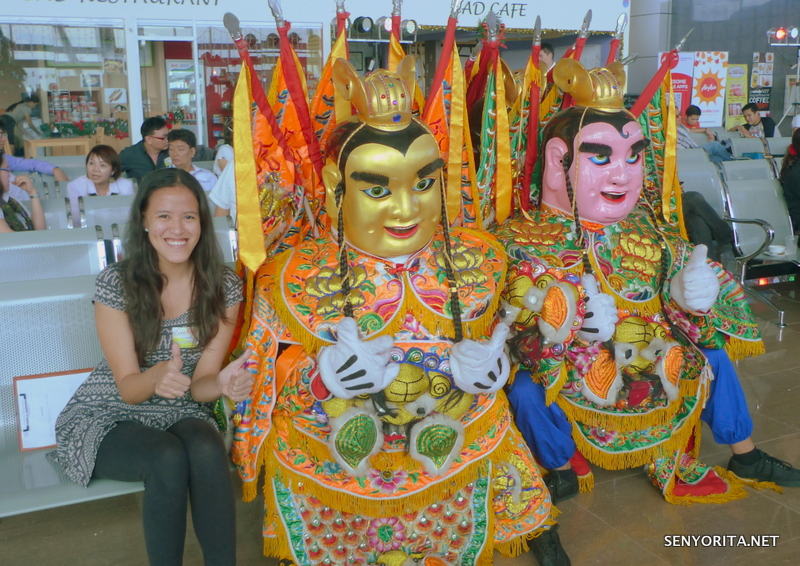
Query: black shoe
point(547, 549)
point(562, 484)
point(767, 468)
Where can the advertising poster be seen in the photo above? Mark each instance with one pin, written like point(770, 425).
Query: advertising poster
point(763, 65)
point(682, 80)
point(760, 96)
point(791, 98)
point(737, 95)
point(708, 86)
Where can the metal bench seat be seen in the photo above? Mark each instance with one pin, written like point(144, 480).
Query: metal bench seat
point(57, 317)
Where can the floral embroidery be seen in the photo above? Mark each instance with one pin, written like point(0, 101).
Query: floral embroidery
point(387, 481)
point(386, 534)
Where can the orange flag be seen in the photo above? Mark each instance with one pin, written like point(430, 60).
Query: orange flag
point(446, 116)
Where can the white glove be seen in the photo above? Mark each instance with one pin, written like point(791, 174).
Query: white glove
point(481, 366)
point(601, 315)
point(354, 367)
point(695, 287)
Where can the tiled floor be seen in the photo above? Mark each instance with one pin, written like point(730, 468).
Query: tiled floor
point(623, 522)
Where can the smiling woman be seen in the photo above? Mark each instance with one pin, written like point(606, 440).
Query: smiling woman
point(165, 316)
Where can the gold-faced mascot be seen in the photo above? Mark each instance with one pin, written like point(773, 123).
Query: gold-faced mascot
point(621, 327)
point(378, 419)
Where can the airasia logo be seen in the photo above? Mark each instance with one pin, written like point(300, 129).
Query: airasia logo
point(709, 87)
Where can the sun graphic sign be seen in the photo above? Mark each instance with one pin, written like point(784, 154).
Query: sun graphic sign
point(708, 88)
point(708, 85)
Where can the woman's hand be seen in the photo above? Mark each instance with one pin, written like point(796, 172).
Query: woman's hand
point(235, 381)
point(170, 382)
point(26, 184)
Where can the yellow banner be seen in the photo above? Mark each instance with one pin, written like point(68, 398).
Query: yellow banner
point(248, 206)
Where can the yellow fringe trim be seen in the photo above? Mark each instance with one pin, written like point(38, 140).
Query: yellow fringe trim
point(551, 393)
point(519, 545)
point(735, 491)
point(625, 460)
point(318, 449)
point(438, 323)
point(755, 484)
point(738, 349)
point(586, 483)
point(350, 503)
point(633, 422)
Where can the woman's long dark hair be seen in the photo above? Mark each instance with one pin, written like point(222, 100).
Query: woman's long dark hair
point(791, 157)
point(143, 283)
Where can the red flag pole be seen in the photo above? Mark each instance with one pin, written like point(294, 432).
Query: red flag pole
point(622, 21)
point(532, 151)
point(668, 61)
point(295, 86)
point(444, 60)
point(231, 23)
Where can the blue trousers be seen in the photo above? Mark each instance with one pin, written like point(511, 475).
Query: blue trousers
point(716, 152)
point(548, 432)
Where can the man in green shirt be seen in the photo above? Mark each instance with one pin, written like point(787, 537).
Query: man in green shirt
point(149, 154)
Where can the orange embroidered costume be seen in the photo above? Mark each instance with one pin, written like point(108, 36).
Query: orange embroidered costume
point(378, 419)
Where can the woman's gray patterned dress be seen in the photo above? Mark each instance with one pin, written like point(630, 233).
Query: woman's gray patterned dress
point(97, 406)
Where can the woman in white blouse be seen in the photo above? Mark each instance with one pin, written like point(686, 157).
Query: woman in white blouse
point(103, 177)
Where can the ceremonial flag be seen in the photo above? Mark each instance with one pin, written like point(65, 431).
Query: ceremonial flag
point(446, 115)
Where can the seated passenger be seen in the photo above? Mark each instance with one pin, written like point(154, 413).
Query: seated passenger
point(182, 147)
point(757, 127)
point(14, 215)
point(716, 151)
point(148, 154)
point(144, 413)
point(790, 180)
point(30, 165)
point(103, 177)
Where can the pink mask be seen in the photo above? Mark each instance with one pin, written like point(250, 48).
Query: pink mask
point(607, 173)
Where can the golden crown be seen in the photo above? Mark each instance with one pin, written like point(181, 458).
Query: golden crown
point(601, 88)
point(383, 100)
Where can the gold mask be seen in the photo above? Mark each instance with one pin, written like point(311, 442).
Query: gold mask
point(392, 201)
point(389, 165)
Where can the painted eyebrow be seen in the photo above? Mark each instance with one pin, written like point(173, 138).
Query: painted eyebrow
point(374, 178)
point(596, 148)
point(434, 165)
point(640, 145)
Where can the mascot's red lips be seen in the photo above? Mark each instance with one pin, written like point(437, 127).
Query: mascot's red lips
point(614, 196)
point(402, 232)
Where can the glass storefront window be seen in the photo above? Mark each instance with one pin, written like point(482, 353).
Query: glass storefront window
point(220, 66)
point(78, 73)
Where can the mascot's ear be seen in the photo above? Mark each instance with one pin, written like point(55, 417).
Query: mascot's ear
point(554, 178)
point(571, 77)
point(407, 69)
point(348, 82)
point(509, 84)
point(331, 177)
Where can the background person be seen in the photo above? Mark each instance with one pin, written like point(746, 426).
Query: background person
point(716, 151)
point(224, 154)
point(790, 180)
point(691, 119)
point(15, 163)
point(103, 177)
point(182, 147)
point(24, 127)
point(149, 154)
point(165, 316)
point(756, 127)
point(14, 216)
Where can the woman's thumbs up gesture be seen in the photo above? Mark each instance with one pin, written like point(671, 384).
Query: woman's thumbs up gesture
point(235, 381)
point(172, 384)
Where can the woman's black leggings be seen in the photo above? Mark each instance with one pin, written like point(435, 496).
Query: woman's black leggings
point(189, 455)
